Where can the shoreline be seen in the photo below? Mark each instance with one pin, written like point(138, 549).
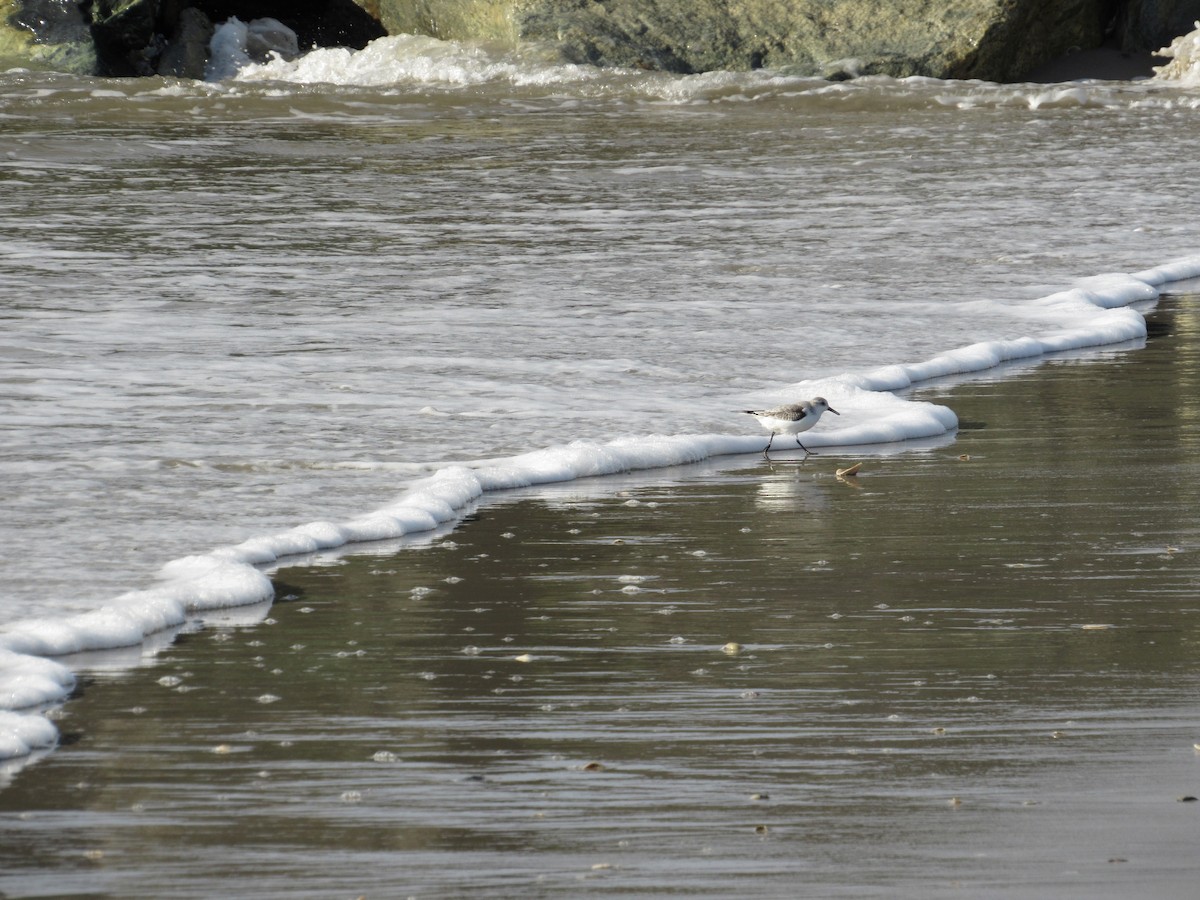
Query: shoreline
point(215, 581)
point(727, 679)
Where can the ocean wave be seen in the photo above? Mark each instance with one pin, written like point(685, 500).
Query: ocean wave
point(429, 64)
point(413, 59)
point(1184, 65)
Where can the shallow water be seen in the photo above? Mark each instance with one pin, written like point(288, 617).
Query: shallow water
point(232, 309)
point(956, 677)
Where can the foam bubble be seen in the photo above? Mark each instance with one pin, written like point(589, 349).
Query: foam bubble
point(28, 681)
point(21, 734)
point(1093, 313)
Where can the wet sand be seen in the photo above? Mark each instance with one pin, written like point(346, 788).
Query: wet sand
point(969, 671)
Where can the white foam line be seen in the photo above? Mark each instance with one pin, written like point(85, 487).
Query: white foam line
point(1093, 313)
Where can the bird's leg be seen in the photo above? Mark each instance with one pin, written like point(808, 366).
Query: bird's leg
point(807, 452)
point(768, 447)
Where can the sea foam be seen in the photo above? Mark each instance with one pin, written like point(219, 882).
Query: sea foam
point(1094, 312)
point(427, 63)
point(1184, 54)
point(406, 59)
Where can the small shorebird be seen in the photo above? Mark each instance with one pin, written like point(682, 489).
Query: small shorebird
point(792, 419)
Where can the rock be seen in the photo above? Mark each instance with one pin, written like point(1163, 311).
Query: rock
point(145, 37)
point(997, 40)
point(320, 23)
point(475, 20)
point(267, 36)
point(961, 39)
point(1148, 25)
point(992, 39)
point(1108, 63)
point(186, 54)
point(45, 34)
point(125, 35)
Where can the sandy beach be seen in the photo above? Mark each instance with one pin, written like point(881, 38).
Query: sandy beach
point(967, 671)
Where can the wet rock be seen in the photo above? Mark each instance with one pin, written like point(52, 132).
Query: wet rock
point(992, 39)
point(46, 34)
point(126, 36)
point(187, 52)
point(53, 22)
point(956, 39)
point(998, 40)
point(317, 23)
point(269, 36)
point(1149, 25)
point(93, 37)
point(146, 37)
point(481, 20)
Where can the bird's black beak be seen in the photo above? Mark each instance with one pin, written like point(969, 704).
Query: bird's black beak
point(832, 410)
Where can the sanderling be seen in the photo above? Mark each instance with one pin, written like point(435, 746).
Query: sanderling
point(792, 419)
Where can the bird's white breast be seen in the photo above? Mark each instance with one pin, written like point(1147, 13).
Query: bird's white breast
point(787, 426)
